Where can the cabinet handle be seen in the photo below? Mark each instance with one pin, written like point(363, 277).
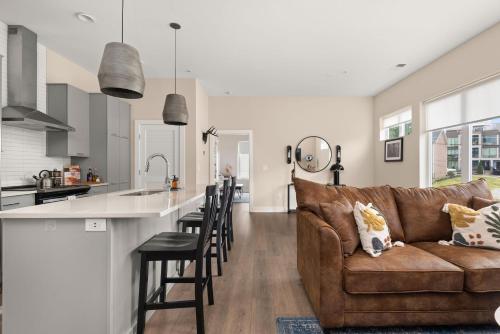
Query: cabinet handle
point(12, 204)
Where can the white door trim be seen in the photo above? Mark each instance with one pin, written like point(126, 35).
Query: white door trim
point(250, 142)
point(137, 148)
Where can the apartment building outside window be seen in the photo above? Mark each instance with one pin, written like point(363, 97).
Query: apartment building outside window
point(464, 132)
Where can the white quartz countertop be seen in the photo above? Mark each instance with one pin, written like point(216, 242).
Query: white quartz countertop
point(9, 193)
point(111, 205)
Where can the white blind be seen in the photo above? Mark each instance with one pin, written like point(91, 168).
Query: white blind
point(399, 117)
point(471, 105)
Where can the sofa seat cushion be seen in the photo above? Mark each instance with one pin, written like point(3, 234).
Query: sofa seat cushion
point(481, 266)
point(400, 270)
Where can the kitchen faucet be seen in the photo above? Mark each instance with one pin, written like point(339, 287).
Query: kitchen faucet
point(159, 155)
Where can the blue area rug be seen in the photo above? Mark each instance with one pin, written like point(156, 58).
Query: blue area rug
point(311, 326)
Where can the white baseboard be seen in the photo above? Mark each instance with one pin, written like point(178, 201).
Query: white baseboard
point(268, 209)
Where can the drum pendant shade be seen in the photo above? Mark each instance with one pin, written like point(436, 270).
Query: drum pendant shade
point(175, 109)
point(120, 73)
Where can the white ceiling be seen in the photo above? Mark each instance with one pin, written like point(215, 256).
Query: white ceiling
point(265, 47)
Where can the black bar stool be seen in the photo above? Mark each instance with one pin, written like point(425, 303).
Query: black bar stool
point(229, 219)
point(177, 246)
point(193, 220)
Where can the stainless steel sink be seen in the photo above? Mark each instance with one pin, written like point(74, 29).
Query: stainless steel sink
point(144, 193)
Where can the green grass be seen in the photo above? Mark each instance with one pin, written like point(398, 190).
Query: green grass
point(493, 181)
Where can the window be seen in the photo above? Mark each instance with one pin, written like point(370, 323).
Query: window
point(243, 160)
point(395, 125)
point(489, 152)
point(489, 140)
point(467, 120)
point(475, 152)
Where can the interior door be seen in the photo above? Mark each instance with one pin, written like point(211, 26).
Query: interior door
point(157, 138)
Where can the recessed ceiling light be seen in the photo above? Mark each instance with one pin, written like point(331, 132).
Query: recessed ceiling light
point(84, 17)
point(401, 65)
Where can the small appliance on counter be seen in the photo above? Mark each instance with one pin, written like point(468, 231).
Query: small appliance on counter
point(71, 175)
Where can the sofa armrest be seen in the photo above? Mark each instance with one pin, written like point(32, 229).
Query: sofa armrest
point(320, 262)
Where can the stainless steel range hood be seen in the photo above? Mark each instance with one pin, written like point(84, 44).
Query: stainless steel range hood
point(22, 84)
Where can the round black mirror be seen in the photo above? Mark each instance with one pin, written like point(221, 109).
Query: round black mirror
point(313, 154)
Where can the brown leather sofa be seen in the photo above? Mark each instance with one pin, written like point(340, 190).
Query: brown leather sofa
point(423, 283)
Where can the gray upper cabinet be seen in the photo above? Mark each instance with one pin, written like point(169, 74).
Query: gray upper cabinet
point(71, 106)
point(124, 120)
point(113, 109)
point(109, 141)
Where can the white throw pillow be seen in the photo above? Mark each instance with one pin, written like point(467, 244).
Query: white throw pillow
point(372, 228)
point(475, 228)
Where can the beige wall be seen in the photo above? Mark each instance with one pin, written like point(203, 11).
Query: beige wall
point(280, 121)
point(202, 149)
point(473, 60)
point(62, 70)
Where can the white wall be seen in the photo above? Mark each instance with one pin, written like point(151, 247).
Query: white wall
point(280, 121)
point(23, 151)
point(475, 59)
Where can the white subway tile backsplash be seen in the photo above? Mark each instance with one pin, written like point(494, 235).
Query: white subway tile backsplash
point(23, 151)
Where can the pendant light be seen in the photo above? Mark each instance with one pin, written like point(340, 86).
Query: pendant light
point(120, 73)
point(175, 110)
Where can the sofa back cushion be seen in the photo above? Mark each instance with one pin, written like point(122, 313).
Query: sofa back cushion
point(310, 195)
point(382, 198)
point(339, 215)
point(478, 202)
point(420, 209)
point(463, 193)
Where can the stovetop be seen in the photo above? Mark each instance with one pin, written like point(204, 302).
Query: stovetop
point(54, 189)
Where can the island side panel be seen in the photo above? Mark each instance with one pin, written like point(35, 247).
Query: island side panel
point(55, 277)
point(126, 235)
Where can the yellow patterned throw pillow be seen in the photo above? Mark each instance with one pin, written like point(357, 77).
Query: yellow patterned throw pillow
point(474, 228)
point(373, 230)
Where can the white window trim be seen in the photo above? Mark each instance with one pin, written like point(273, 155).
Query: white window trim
point(238, 169)
point(384, 131)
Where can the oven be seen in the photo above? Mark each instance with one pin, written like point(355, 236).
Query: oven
point(58, 194)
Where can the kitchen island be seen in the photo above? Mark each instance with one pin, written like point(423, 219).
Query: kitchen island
point(72, 266)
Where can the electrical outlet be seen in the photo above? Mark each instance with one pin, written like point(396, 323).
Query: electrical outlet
point(95, 225)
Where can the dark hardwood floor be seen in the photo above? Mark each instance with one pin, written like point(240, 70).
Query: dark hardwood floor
point(260, 281)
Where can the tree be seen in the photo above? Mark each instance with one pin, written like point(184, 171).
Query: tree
point(480, 168)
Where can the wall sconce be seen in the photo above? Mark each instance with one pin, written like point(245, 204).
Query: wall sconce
point(211, 131)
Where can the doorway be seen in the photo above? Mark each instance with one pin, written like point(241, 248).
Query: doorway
point(156, 137)
point(231, 155)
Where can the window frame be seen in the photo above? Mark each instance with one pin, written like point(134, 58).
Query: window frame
point(405, 128)
point(238, 163)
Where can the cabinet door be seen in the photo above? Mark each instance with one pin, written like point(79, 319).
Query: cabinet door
point(16, 202)
point(113, 105)
point(124, 120)
point(97, 190)
point(113, 187)
point(124, 160)
point(78, 117)
point(113, 159)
